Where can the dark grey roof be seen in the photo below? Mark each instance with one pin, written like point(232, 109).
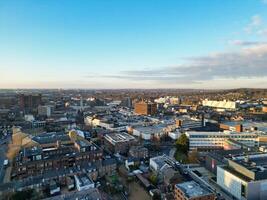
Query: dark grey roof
point(109, 161)
point(52, 137)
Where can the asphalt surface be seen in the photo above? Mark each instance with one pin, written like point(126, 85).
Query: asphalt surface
point(3, 149)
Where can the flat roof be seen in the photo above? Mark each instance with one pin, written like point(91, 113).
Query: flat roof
point(150, 129)
point(119, 137)
point(220, 133)
point(256, 163)
point(138, 148)
point(82, 143)
point(236, 173)
point(192, 189)
point(84, 179)
point(221, 154)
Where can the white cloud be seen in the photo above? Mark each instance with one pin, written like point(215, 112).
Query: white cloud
point(247, 63)
point(262, 31)
point(256, 20)
point(254, 24)
point(245, 43)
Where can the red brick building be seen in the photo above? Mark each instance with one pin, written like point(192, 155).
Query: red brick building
point(145, 108)
point(191, 190)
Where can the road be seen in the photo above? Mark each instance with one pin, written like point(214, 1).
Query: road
point(3, 150)
point(172, 152)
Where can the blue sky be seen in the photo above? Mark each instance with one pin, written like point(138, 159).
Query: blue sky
point(133, 43)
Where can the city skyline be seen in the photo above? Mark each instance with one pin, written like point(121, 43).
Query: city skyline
point(133, 44)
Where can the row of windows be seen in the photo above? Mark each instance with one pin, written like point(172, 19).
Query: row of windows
point(223, 136)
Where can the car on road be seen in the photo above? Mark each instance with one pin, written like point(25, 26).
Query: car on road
point(6, 162)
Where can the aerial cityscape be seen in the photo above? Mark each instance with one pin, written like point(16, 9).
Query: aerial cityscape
point(133, 100)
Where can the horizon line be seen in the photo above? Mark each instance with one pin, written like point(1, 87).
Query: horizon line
point(131, 88)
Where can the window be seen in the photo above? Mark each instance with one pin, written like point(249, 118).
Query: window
point(243, 190)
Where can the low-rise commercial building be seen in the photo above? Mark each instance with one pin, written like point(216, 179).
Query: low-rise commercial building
point(218, 140)
point(245, 176)
point(228, 105)
point(106, 123)
point(119, 142)
point(191, 190)
point(150, 131)
point(83, 182)
point(44, 111)
point(138, 152)
point(189, 123)
point(159, 164)
point(175, 134)
point(54, 188)
point(219, 158)
point(52, 139)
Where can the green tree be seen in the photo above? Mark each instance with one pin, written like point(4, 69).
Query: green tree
point(182, 144)
point(30, 194)
point(153, 178)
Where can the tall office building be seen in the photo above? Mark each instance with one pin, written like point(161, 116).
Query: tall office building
point(44, 111)
point(145, 108)
point(29, 102)
point(127, 102)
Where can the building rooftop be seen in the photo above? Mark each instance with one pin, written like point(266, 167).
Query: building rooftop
point(82, 143)
point(46, 177)
point(83, 180)
point(52, 137)
point(138, 148)
point(236, 173)
point(145, 102)
point(90, 194)
point(119, 137)
point(109, 161)
point(192, 189)
point(252, 165)
point(32, 151)
point(228, 134)
point(150, 129)
point(162, 162)
point(187, 117)
point(222, 154)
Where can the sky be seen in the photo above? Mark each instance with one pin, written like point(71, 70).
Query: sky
point(94, 44)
